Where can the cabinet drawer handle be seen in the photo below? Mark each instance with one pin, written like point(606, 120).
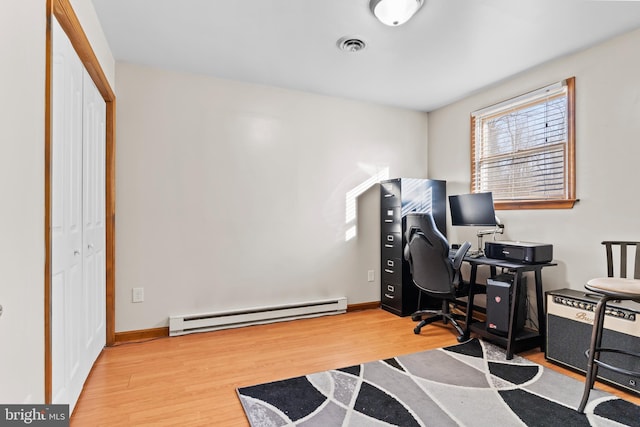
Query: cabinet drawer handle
point(388, 296)
point(388, 220)
point(388, 246)
point(388, 195)
point(387, 270)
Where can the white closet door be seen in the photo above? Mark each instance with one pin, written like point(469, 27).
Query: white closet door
point(93, 214)
point(77, 218)
point(66, 217)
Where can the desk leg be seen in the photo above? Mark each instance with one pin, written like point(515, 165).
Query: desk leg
point(511, 335)
point(469, 317)
point(542, 322)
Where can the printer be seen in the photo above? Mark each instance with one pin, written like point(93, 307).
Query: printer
point(526, 252)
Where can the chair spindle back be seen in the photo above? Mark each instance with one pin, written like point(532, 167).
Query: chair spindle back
point(610, 244)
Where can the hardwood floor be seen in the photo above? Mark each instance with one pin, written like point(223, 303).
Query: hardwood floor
point(191, 380)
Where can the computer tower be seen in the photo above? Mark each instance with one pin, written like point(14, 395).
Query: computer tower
point(499, 300)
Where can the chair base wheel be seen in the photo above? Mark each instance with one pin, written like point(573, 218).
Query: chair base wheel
point(462, 338)
point(416, 330)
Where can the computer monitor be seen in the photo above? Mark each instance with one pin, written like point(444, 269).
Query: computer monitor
point(475, 210)
point(472, 209)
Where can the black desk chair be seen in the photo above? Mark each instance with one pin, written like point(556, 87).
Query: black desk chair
point(611, 288)
point(432, 271)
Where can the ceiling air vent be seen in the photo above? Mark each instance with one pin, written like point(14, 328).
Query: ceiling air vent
point(351, 44)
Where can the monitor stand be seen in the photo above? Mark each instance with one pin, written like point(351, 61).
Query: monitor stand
point(499, 229)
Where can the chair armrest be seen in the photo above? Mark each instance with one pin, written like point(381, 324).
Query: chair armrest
point(460, 254)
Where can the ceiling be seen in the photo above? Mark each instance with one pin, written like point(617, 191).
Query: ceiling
point(448, 50)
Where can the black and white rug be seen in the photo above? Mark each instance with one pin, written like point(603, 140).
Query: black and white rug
point(470, 384)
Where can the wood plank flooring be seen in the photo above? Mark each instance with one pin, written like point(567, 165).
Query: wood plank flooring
point(191, 380)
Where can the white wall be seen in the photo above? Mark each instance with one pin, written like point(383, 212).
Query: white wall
point(22, 250)
point(607, 129)
point(22, 195)
point(231, 195)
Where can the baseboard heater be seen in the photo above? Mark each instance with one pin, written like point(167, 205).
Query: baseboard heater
point(204, 322)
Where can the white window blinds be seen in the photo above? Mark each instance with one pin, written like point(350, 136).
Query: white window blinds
point(520, 147)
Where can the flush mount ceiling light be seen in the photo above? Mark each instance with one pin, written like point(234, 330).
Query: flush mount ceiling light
point(394, 12)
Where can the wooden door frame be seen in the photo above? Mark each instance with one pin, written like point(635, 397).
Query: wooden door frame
point(63, 12)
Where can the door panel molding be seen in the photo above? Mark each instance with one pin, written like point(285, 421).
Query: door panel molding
point(62, 11)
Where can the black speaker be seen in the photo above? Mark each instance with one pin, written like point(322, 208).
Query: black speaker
point(499, 300)
point(570, 316)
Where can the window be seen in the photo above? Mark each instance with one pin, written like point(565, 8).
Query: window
point(523, 149)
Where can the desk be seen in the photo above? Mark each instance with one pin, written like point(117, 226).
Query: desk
point(514, 342)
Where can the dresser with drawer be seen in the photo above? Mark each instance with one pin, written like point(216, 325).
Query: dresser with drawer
point(398, 197)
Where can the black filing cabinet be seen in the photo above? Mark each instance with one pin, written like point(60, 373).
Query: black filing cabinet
point(398, 197)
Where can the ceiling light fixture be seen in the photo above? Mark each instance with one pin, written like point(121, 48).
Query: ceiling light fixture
point(394, 12)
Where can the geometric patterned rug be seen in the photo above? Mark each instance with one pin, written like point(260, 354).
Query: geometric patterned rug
point(469, 384)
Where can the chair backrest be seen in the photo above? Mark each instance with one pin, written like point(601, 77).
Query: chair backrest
point(427, 251)
point(627, 249)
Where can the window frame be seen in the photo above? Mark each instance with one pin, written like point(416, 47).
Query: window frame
point(569, 165)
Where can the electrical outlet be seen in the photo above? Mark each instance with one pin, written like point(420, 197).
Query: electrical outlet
point(371, 275)
point(137, 295)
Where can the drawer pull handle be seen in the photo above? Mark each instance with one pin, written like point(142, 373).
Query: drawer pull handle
point(388, 296)
point(388, 246)
point(388, 220)
point(386, 270)
point(388, 195)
